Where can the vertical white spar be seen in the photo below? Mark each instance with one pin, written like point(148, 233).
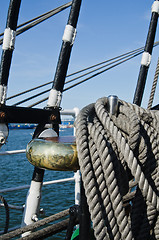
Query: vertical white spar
point(6, 58)
point(54, 101)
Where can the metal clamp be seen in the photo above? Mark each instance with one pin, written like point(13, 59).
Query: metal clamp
point(112, 104)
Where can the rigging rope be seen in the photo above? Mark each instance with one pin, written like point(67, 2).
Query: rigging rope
point(127, 56)
point(109, 62)
point(116, 59)
point(29, 90)
point(84, 80)
point(154, 85)
point(106, 61)
point(100, 72)
point(82, 70)
point(113, 150)
point(37, 20)
point(35, 225)
point(43, 92)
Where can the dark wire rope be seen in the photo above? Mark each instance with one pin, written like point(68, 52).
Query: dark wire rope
point(82, 70)
point(29, 98)
point(111, 59)
point(36, 22)
point(34, 19)
point(29, 90)
point(36, 95)
point(133, 51)
point(122, 55)
point(85, 74)
point(127, 57)
point(38, 102)
point(94, 75)
point(31, 20)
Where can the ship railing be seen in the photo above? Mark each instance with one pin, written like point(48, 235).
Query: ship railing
point(12, 152)
point(75, 178)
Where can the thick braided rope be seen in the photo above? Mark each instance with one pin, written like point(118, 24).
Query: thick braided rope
point(116, 199)
point(150, 124)
point(150, 213)
point(111, 221)
point(131, 160)
point(107, 204)
point(88, 175)
point(153, 89)
point(106, 147)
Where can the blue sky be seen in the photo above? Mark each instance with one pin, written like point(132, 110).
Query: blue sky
point(105, 29)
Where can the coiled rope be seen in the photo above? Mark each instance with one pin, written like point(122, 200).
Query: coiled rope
point(116, 153)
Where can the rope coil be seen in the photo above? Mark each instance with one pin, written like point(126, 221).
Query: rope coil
point(114, 152)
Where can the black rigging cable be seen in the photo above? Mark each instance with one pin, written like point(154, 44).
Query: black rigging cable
point(36, 18)
point(111, 59)
point(29, 98)
point(36, 95)
point(125, 56)
point(82, 70)
point(40, 19)
point(77, 72)
point(94, 75)
point(29, 90)
point(35, 88)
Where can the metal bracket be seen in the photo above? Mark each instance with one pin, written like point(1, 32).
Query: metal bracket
point(112, 104)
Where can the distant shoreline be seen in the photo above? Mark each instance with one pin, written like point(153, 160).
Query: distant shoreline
point(64, 124)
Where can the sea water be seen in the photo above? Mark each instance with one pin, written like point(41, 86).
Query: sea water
point(16, 171)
